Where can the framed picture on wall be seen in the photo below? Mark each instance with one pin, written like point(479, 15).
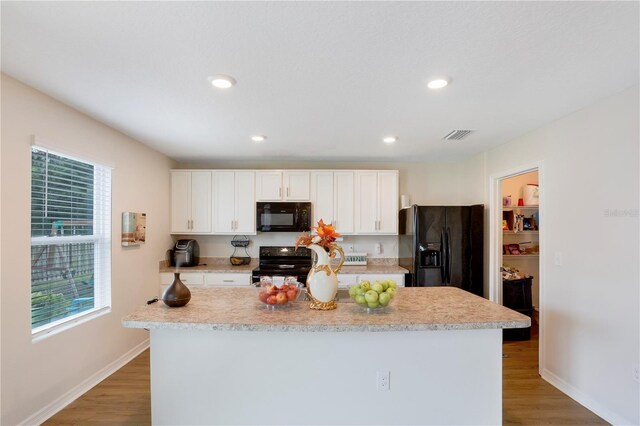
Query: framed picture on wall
point(134, 229)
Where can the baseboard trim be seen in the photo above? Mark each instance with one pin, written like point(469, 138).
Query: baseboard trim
point(584, 399)
point(48, 411)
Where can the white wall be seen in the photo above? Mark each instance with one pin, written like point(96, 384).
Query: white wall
point(425, 184)
point(34, 375)
point(589, 305)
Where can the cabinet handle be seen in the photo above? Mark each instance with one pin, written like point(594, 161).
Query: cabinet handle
point(280, 192)
point(287, 191)
point(235, 224)
point(232, 228)
point(227, 281)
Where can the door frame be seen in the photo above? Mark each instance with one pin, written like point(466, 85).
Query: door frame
point(495, 242)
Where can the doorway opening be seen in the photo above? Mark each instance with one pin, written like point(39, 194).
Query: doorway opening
point(516, 226)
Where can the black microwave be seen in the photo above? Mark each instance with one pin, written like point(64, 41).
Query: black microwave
point(283, 217)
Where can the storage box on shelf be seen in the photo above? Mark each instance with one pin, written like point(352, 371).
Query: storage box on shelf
point(518, 234)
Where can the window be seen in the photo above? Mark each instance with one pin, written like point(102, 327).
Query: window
point(70, 240)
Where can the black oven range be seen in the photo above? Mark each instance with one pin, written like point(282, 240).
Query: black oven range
point(283, 261)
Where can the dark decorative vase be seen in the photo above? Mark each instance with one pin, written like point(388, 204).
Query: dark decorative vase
point(177, 294)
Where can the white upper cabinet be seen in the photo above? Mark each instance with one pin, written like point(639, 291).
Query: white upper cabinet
point(296, 185)
point(245, 203)
point(343, 202)
point(269, 185)
point(388, 205)
point(276, 185)
point(363, 202)
point(234, 201)
point(322, 196)
point(376, 202)
point(332, 199)
point(190, 202)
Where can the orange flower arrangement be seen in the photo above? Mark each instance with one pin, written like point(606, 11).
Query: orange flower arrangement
point(326, 236)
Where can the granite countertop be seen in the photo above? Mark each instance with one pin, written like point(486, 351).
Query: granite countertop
point(413, 309)
point(211, 264)
point(222, 265)
point(373, 268)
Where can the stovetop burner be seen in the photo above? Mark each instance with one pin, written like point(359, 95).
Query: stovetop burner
point(283, 261)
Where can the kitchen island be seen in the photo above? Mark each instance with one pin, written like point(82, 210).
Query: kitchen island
point(225, 359)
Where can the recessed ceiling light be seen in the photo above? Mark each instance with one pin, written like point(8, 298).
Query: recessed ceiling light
point(222, 81)
point(438, 83)
point(390, 139)
point(258, 138)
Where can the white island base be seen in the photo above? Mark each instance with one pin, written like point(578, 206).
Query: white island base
point(441, 377)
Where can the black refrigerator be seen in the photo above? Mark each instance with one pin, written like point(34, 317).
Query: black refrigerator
point(443, 246)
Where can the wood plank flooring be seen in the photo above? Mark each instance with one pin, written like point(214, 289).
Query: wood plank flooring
point(124, 397)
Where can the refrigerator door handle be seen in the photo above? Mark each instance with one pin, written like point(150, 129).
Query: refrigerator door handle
point(443, 260)
point(449, 260)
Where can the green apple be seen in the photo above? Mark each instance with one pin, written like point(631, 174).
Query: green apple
point(360, 290)
point(360, 300)
point(391, 292)
point(392, 284)
point(385, 285)
point(377, 287)
point(365, 285)
point(353, 290)
point(371, 296)
point(373, 304)
point(384, 299)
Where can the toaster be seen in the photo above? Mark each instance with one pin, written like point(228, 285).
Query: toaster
point(186, 253)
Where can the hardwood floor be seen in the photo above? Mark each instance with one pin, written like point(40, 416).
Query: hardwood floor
point(124, 398)
point(529, 400)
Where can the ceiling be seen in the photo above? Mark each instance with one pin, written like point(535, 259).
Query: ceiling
point(323, 80)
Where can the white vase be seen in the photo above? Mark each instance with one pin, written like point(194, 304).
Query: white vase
point(322, 282)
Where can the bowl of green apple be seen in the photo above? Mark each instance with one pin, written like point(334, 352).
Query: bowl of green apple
point(374, 297)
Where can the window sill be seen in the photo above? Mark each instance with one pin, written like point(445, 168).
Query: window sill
point(48, 330)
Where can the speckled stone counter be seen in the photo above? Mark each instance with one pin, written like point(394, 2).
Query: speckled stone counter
point(413, 309)
point(211, 264)
point(373, 268)
point(225, 359)
point(222, 265)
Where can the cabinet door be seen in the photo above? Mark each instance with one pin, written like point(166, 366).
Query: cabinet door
point(296, 186)
point(224, 202)
point(227, 280)
point(366, 202)
point(245, 207)
point(388, 203)
point(322, 196)
point(180, 202)
point(201, 202)
point(268, 185)
point(343, 198)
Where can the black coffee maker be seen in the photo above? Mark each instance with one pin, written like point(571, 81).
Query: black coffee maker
point(184, 253)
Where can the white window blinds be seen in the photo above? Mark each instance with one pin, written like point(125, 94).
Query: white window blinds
point(70, 239)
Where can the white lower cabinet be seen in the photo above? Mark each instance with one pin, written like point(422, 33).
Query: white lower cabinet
point(206, 279)
point(345, 280)
point(227, 280)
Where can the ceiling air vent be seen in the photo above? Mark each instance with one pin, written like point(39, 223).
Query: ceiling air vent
point(458, 134)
